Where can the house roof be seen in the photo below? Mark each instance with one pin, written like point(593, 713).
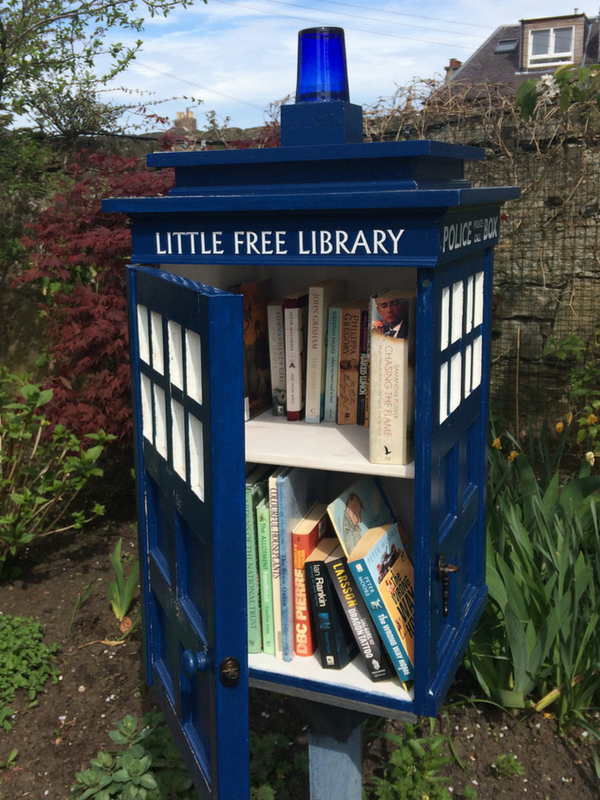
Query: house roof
point(503, 64)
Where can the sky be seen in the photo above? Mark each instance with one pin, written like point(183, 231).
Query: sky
point(239, 56)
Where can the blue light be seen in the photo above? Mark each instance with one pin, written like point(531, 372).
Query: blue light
point(322, 72)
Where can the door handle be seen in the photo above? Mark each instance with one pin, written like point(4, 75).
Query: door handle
point(191, 662)
point(443, 574)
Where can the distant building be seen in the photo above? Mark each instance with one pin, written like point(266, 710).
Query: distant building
point(185, 122)
point(534, 47)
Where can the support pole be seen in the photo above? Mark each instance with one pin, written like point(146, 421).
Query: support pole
point(334, 751)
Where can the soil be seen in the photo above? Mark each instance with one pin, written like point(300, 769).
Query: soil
point(101, 683)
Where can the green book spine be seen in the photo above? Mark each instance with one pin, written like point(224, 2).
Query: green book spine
point(263, 533)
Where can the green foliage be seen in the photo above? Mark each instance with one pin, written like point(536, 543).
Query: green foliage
point(121, 591)
point(583, 358)
point(273, 774)
point(26, 665)
point(508, 766)
point(536, 642)
point(412, 771)
point(568, 86)
point(53, 46)
point(10, 761)
point(41, 472)
point(147, 766)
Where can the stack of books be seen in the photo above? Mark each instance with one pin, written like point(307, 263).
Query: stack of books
point(331, 580)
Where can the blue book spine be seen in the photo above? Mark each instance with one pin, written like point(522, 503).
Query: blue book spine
point(332, 363)
point(381, 618)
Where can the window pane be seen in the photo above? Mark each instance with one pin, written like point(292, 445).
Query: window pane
point(563, 40)
point(540, 42)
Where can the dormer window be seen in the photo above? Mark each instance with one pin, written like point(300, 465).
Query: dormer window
point(550, 47)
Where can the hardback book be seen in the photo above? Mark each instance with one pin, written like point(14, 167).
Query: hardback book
point(297, 490)
point(320, 297)
point(337, 646)
point(363, 369)
point(360, 507)
point(305, 536)
point(332, 363)
point(295, 318)
point(347, 402)
point(256, 488)
point(275, 560)
point(257, 367)
point(360, 621)
point(277, 355)
point(263, 536)
point(392, 378)
point(385, 577)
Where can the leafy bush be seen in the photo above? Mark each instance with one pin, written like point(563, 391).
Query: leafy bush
point(536, 643)
point(274, 772)
point(77, 256)
point(41, 472)
point(148, 766)
point(26, 662)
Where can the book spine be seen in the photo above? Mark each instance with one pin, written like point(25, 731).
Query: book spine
point(286, 572)
point(277, 357)
point(381, 618)
point(304, 636)
point(263, 535)
point(347, 410)
point(391, 408)
point(332, 363)
point(321, 604)
point(275, 567)
point(294, 319)
point(361, 416)
point(361, 624)
point(252, 590)
point(315, 355)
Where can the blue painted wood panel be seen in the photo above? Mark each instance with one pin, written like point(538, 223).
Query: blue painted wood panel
point(187, 371)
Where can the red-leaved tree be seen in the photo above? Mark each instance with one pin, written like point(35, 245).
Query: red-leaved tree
point(78, 255)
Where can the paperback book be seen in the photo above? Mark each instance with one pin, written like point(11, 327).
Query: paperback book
point(360, 507)
point(320, 297)
point(256, 488)
point(348, 373)
point(263, 536)
point(305, 537)
point(360, 621)
point(277, 356)
point(257, 371)
point(392, 378)
point(295, 317)
point(332, 363)
point(337, 646)
point(385, 578)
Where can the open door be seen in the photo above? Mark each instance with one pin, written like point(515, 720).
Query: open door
point(186, 344)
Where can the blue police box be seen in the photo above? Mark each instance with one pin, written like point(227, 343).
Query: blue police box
point(324, 205)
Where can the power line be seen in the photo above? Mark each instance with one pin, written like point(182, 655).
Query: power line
point(348, 27)
point(372, 19)
point(199, 86)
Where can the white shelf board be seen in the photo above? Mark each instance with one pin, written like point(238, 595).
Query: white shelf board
point(327, 446)
point(354, 678)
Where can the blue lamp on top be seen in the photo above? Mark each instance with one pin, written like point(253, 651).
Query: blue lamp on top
point(322, 113)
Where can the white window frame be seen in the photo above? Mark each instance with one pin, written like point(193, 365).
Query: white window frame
point(551, 58)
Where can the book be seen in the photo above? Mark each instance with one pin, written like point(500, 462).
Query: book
point(265, 582)
point(275, 561)
point(277, 356)
point(296, 491)
point(332, 363)
point(385, 577)
point(337, 646)
point(305, 536)
point(257, 369)
point(256, 487)
point(360, 621)
point(363, 369)
point(320, 297)
point(360, 507)
point(347, 402)
point(392, 378)
point(295, 314)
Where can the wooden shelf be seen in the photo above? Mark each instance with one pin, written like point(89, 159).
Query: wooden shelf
point(327, 446)
point(350, 687)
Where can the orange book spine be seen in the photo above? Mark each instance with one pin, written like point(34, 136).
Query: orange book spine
point(304, 632)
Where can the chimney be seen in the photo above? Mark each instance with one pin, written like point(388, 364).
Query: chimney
point(454, 65)
point(186, 121)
